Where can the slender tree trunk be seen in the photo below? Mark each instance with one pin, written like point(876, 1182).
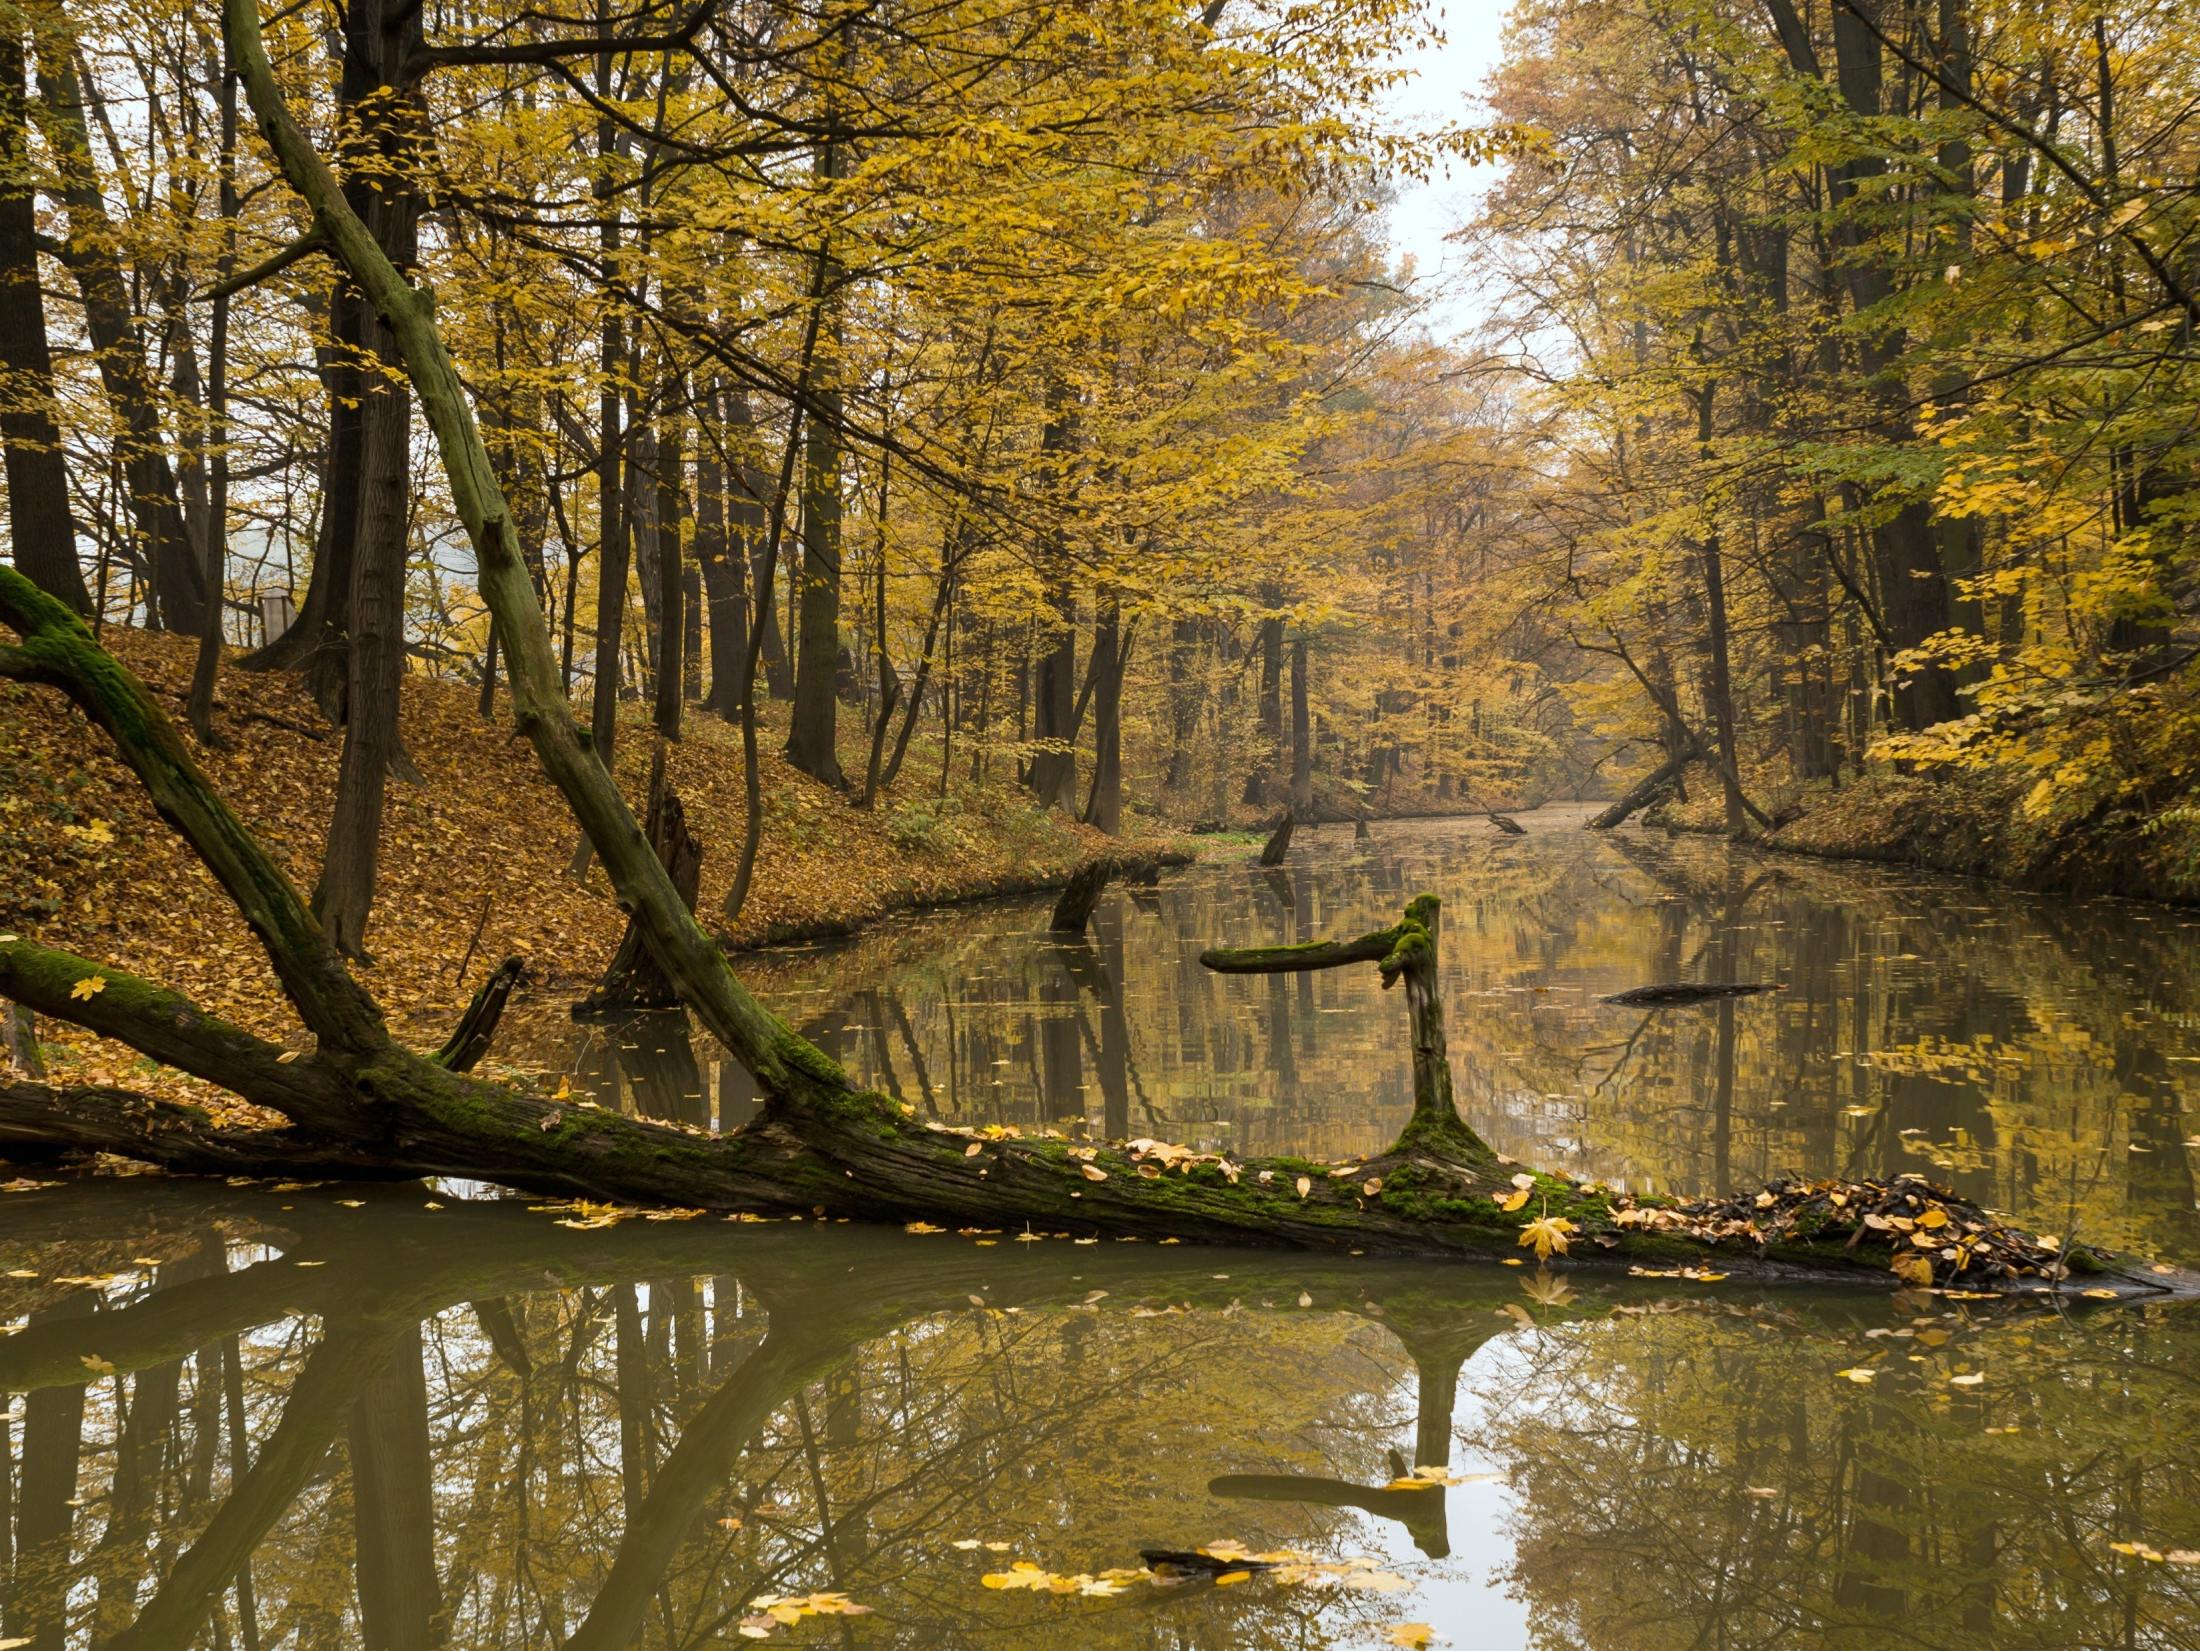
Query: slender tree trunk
point(208, 664)
point(42, 533)
point(812, 743)
point(1302, 731)
point(118, 343)
point(375, 664)
point(1106, 810)
point(671, 567)
point(611, 537)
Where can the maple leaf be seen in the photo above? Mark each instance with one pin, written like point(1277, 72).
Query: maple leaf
point(89, 987)
point(1547, 1233)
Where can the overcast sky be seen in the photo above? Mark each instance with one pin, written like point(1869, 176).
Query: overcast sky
point(1447, 86)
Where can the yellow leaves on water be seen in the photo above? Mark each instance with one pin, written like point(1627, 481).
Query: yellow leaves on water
point(1037, 1579)
point(2155, 1556)
point(921, 1227)
point(1973, 1379)
point(1547, 1233)
point(89, 987)
point(1415, 1636)
point(774, 1612)
point(1862, 1375)
point(1699, 1275)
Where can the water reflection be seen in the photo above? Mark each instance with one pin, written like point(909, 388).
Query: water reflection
point(299, 1417)
point(2043, 1056)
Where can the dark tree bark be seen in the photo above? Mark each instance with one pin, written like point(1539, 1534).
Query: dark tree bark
point(1106, 809)
point(1302, 731)
point(724, 565)
point(343, 899)
point(41, 531)
point(1268, 642)
point(1053, 772)
point(671, 570)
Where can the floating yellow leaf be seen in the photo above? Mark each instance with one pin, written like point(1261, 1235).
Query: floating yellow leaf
point(1415, 1636)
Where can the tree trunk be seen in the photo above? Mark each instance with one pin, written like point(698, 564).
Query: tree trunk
point(118, 343)
point(375, 661)
point(42, 533)
point(1302, 732)
point(671, 568)
point(1106, 810)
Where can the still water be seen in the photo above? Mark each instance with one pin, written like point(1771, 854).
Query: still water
point(277, 1416)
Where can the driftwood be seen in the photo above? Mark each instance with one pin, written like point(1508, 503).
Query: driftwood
point(360, 1103)
point(1507, 824)
point(1683, 992)
point(1279, 839)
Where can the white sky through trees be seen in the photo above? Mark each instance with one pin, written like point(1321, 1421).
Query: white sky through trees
point(1447, 88)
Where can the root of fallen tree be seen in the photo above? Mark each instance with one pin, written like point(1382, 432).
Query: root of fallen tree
point(359, 1103)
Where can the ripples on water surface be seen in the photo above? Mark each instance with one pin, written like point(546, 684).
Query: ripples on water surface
point(245, 1417)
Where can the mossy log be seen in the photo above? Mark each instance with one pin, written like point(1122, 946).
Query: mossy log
point(819, 1144)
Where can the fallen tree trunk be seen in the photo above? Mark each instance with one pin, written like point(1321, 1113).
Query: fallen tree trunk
point(1073, 910)
point(819, 1144)
point(1279, 839)
point(1646, 790)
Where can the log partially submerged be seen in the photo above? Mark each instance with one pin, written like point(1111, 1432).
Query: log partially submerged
point(1646, 790)
point(1073, 910)
point(360, 1103)
point(1279, 839)
point(1685, 992)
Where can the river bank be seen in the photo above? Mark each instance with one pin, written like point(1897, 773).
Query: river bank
point(1970, 824)
point(474, 858)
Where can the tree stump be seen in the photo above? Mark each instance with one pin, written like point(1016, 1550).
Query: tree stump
point(1279, 839)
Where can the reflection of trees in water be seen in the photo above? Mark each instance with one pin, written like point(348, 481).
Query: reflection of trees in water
point(471, 1427)
point(440, 1450)
point(2015, 1047)
point(1686, 1482)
